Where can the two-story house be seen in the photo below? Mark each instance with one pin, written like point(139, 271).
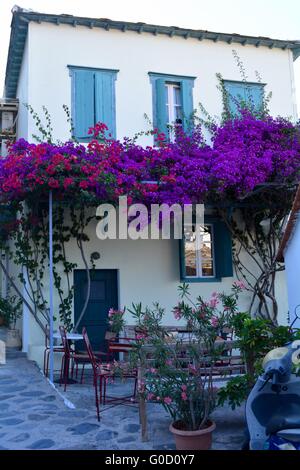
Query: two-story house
point(117, 72)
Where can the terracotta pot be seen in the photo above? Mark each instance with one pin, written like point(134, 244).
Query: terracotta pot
point(193, 440)
point(13, 339)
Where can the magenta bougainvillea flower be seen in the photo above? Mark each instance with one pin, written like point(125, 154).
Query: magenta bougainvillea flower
point(243, 153)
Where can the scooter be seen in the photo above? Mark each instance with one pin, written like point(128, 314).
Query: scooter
point(273, 406)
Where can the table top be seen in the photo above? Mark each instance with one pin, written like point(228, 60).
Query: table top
point(70, 336)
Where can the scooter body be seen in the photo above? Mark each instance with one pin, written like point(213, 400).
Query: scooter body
point(273, 406)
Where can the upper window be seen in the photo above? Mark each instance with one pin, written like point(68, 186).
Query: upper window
point(172, 102)
point(93, 100)
point(206, 252)
point(244, 94)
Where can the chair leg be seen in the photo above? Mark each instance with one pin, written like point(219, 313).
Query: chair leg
point(96, 397)
point(46, 362)
point(82, 372)
point(66, 370)
point(62, 367)
point(44, 368)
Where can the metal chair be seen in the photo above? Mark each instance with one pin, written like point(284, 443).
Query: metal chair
point(70, 355)
point(56, 349)
point(100, 372)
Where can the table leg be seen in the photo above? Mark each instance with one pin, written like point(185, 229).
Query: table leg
point(142, 407)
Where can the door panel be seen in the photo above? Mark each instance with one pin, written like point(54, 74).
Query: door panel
point(103, 296)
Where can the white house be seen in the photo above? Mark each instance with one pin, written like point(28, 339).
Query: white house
point(289, 252)
point(118, 72)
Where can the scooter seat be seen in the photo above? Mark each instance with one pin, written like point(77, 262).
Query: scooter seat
point(286, 417)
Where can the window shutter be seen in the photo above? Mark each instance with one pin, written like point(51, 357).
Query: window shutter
point(223, 250)
point(236, 94)
point(105, 100)
point(187, 103)
point(84, 115)
point(255, 94)
point(182, 259)
point(161, 106)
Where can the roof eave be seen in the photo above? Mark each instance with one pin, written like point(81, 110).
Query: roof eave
point(21, 18)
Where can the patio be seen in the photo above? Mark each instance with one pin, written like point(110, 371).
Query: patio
point(34, 416)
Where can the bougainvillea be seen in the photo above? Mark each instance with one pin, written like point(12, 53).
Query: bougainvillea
point(243, 153)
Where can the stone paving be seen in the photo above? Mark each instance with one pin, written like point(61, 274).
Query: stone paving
point(34, 416)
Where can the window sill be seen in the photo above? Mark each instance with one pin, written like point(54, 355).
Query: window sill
point(189, 280)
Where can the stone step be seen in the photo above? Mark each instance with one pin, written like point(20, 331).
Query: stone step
point(12, 353)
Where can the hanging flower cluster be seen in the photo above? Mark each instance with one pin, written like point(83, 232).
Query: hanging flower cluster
point(244, 153)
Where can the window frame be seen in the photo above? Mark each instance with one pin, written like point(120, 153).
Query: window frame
point(199, 278)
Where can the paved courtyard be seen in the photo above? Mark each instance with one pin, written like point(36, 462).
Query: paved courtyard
point(33, 415)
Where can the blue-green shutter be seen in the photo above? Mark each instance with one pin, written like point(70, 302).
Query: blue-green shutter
point(222, 250)
point(242, 93)
point(236, 95)
point(182, 259)
point(254, 93)
point(84, 112)
point(186, 88)
point(161, 106)
point(105, 100)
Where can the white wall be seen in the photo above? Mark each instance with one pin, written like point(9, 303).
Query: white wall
point(22, 92)
point(53, 47)
point(292, 270)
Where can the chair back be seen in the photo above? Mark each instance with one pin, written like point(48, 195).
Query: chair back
point(89, 349)
point(64, 340)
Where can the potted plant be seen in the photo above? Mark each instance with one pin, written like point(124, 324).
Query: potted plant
point(181, 378)
point(11, 310)
point(116, 322)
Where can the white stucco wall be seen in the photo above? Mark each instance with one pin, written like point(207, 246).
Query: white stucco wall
point(52, 48)
point(292, 270)
point(22, 93)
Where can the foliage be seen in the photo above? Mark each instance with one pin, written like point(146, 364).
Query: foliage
point(10, 310)
point(255, 338)
point(116, 320)
point(181, 376)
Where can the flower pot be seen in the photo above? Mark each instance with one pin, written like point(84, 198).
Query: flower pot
point(13, 339)
point(2, 321)
point(192, 440)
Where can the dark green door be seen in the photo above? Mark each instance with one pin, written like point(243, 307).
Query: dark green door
point(103, 296)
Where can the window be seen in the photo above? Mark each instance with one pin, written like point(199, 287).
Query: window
point(242, 94)
point(172, 102)
point(93, 100)
point(174, 107)
point(206, 252)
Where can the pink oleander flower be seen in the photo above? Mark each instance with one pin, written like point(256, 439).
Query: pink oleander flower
point(169, 362)
point(239, 284)
point(184, 396)
point(150, 396)
point(184, 388)
point(214, 322)
point(177, 313)
point(168, 400)
point(213, 302)
point(153, 370)
point(192, 369)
